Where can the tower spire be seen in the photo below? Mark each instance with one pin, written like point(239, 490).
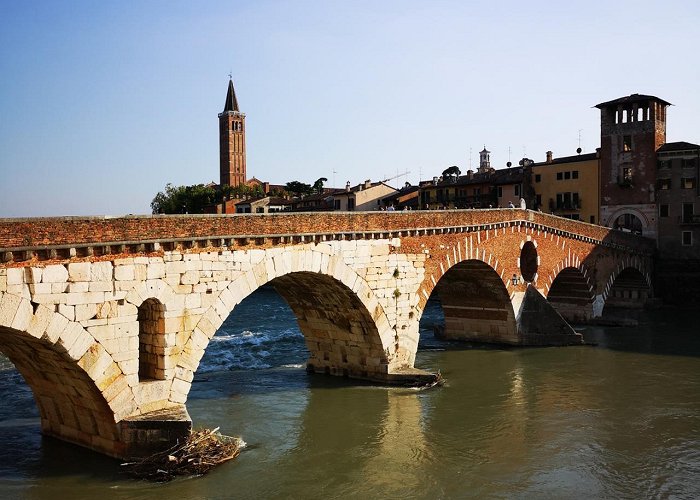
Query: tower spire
point(231, 101)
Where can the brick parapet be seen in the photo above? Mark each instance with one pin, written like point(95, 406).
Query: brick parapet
point(56, 238)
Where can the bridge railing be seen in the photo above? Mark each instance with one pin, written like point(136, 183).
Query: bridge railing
point(66, 237)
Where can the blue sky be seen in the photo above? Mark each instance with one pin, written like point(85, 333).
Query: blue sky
point(103, 103)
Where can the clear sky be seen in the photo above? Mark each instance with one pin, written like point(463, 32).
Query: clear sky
point(103, 103)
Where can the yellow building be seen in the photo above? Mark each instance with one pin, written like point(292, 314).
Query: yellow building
point(569, 186)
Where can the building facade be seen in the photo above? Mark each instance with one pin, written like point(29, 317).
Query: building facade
point(568, 186)
point(678, 198)
point(364, 197)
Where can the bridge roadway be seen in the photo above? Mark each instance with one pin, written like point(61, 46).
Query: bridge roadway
point(107, 318)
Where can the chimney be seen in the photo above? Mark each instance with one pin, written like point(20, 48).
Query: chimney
point(347, 187)
point(368, 184)
point(549, 157)
point(435, 181)
point(470, 174)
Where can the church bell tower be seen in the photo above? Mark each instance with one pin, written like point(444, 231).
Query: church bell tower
point(232, 169)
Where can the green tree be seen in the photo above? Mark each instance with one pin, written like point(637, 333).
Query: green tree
point(298, 188)
point(453, 171)
point(318, 185)
point(184, 199)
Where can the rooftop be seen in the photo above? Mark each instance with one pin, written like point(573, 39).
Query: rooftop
point(630, 99)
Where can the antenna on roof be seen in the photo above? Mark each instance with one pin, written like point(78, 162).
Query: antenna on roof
point(508, 154)
point(230, 75)
point(579, 141)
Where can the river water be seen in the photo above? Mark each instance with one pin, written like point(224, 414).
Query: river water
point(618, 420)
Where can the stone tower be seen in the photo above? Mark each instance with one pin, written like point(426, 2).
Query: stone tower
point(632, 128)
point(232, 170)
point(484, 160)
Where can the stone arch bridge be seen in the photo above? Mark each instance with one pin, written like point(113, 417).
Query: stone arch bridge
point(107, 318)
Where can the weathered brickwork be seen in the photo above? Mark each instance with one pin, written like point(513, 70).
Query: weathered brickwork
point(107, 339)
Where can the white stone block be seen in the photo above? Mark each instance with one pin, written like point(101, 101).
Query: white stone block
point(79, 271)
point(8, 308)
point(56, 273)
point(101, 286)
point(156, 270)
point(85, 311)
point(15, 275)
point(40, 288)
point(124, 272)
point(67, 311)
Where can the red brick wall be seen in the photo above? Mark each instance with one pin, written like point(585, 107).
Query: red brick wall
point(38, 232)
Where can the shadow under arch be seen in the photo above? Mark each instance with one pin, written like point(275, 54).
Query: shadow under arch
point(71, 405)
point(572, 295)
point(341, 335)
point(476, 304)
point(629, 288)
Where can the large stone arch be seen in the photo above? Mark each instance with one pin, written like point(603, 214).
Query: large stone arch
point(476, 303)
point(79, 389)
point(295, 273)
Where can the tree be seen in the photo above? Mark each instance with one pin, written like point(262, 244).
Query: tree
point(318, 185)
point(184, 199)
point(298, 188)
point(453, 171)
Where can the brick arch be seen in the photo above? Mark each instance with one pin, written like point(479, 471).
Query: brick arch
point(79, 389)
point(313, 266)
point(571, 292)
point(476, 302)
point(631, 263)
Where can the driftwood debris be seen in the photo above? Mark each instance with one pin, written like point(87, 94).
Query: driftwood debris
point(202, 451)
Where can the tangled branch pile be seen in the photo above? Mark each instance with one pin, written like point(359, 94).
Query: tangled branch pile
point(202, 451)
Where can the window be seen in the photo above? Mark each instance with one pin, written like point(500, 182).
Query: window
point(560, 175)
point(538, 199)
point(351, 204)
point(688, 183)
point(688, 163)
point(687, 212)
point(626, 175)
point(663, 210)
point(567, 175)
point(592, 219)
point(663, 164)
point(336, 204)
point(663, 184)
point(574, 174)
point(687, 238)
point(500, 192)
point(576, 203)
point(538, 178)
point(516, 190)
point(627, 143)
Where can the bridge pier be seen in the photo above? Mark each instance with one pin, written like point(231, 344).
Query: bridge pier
point(539, 324)
point(150, 433)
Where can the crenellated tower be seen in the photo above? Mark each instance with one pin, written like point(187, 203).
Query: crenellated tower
point(632, 128)
point(232, 167)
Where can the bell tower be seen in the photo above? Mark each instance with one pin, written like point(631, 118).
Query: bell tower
point(232, 168)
